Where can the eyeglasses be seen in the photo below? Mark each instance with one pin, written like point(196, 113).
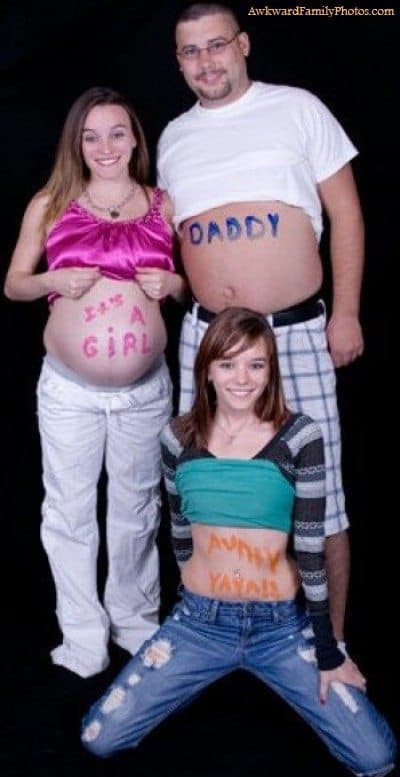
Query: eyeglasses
point(215, 47)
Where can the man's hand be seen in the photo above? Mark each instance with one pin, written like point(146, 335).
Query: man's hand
point(345, 339)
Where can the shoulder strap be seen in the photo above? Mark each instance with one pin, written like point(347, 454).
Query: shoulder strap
point(157, 200)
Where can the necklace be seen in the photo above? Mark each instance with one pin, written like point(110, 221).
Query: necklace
point(232, 435)
point(113, 210)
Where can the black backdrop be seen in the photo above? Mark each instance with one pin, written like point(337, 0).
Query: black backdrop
point(50, 54)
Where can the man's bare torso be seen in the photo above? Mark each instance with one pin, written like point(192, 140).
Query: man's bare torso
point(263, 255)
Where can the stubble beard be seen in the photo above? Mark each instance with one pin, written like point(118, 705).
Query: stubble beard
point(213, 93)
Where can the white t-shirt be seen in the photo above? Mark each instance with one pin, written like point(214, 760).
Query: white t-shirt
point(273, 143)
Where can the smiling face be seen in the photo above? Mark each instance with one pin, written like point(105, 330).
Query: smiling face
point(240, 377)
point(216, 74)
point(107, 141)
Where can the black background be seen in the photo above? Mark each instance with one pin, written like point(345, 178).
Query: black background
point(49, 54)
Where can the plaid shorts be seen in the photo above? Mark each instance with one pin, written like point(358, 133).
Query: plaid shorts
point(309, 384)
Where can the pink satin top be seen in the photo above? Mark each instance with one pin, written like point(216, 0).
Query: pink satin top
point(117, 248)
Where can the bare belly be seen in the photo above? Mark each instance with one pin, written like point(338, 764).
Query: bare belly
point(110, 336)
point(240, 564)
point(263, 255)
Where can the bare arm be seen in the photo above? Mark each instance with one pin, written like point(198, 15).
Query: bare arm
point(340, 199)
point(23, 282)
point(337, 562)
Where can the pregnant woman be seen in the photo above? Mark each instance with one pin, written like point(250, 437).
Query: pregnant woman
point(104, 391)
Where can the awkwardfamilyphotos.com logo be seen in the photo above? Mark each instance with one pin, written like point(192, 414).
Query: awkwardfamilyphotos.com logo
point(329, 11)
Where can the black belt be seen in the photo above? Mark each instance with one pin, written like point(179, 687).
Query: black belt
point(303, 311)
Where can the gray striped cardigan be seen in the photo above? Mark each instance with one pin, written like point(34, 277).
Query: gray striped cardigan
point(297, 449)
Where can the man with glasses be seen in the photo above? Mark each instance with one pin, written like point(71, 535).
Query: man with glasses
point(250, 168)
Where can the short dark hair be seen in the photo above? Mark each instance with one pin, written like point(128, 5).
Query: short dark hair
point(196, 11)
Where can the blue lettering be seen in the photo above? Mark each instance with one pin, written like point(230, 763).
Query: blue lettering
point(196, 233)
point(273, 219)
point(252, 222)
point(214, 231)
point(233, 228)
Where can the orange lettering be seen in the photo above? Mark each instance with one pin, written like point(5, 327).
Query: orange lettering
point(265, 587)
point(274, 590)
point(244, 547)
point(214, 543)
point(252, 587)
point(214, 580)
point(229, 544)
point(225, 584)
point(273, 559)
point(237, 586)
point(258, 557)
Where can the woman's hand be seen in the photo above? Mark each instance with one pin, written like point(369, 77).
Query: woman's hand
point(73, 282)
point(157, 283)
point(347, 673)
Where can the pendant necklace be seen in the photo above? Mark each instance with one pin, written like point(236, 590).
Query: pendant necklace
point(232, 435)
point(113, 210)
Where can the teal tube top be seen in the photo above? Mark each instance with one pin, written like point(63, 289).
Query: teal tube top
point(247, 493)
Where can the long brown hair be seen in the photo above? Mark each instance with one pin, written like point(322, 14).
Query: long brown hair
point(70, 173)
point(232, 331)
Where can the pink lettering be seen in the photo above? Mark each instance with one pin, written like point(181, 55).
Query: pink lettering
point(117, 300)
point(111, 343)
point(137, 315)
point(89, 346)
point(145, 345)
point(89, 313)
point(129, 343)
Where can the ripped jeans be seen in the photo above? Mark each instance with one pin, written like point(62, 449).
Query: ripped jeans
point(204, 639)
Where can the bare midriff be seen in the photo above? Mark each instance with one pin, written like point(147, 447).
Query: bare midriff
point(111, 336)
point(262, 255)
point(240, 564)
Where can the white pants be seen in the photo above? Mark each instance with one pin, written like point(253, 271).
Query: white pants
point(80, 427)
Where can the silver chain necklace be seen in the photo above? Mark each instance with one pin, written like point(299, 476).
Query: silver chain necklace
point(113, 210)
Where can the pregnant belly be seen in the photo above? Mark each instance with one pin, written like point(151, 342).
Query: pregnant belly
point(110, 337)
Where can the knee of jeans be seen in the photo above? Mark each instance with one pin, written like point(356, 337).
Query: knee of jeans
point(94, 740)
point(98, 735)
point(381, 761)
point(98, 746)
point(100, 739)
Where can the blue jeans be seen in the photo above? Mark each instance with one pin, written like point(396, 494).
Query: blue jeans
point(204, 639)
